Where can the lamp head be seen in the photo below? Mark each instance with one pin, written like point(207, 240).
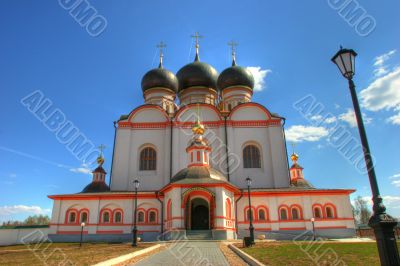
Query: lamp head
point(345, 61)
point(248, 180)
point(136, 183)
point(83, 224)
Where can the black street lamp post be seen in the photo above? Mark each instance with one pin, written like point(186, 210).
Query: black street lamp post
point(134, 230)
point(251, 227)
point(382, 223)
point(313, 228)
point(82, 226)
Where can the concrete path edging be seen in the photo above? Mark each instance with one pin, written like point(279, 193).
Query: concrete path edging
point(246, 257)
point(127, 256)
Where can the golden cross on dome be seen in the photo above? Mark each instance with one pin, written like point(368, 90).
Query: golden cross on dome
point(233, 44)
point(101, 149)
point(197, 37)
point(160, 46)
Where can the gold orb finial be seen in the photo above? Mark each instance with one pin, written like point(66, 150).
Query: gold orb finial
point(294, 157)
point(198, 128)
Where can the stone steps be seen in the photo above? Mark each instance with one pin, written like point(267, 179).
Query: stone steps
point(199, 234)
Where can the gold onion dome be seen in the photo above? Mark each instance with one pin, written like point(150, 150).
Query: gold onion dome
point(294, 157)
point(198, 128)
point(100, 160)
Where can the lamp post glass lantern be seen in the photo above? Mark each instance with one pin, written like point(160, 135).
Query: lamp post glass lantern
point(251, 227)
point(313, 228)
point(382, 223)
point(136, 184)
point(82, 226)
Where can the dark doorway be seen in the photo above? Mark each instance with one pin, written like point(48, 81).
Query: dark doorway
point(200, 218)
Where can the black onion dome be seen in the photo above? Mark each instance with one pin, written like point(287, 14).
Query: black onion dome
point(197, 74)
point(235, 76)
point(160, 77)
point(96, 187)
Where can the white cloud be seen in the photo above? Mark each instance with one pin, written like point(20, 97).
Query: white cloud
point(22, 209)
point(300, 133)
point(83, 169)
point(380, 60)
point(395, 176)
point(396, 183)
point(383, 93)
point(350, 118)
point(395, 119)
point(259, 77)
point(330, 120)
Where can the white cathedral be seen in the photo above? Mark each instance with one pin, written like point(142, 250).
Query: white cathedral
point(192, 156)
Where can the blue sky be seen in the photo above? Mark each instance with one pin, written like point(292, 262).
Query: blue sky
point(95, 79)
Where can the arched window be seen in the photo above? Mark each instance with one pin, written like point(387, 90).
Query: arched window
point(140, 217)
point(317, 212)
point(261, 215)
point(118, 217)
point(248, 213)
point(72, 217)
point(251, 157)
point(295, 214)
point(106, 217)
point(152, 217)
point(329, 212)
point(148, 159)
point(84, 217)
point(228, 208)
point(283, 214)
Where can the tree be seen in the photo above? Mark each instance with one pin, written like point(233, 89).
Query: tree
point(361, 211)
point(37, 220)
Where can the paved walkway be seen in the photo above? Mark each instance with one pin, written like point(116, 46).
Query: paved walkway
point(188, 253)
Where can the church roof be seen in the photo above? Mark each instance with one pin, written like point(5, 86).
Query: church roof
point(235, 76)
point(197, 74)
point(199, 173)
point(96, 187)
point(301, 183)
point(160, 77)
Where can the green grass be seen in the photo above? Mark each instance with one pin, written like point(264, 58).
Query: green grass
point(61, 253)
point(314, 253)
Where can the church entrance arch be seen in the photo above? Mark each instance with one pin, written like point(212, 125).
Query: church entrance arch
point(200, 214)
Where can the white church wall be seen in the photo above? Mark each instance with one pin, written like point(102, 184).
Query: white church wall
point(278, 156)
point(238, 139)
point(120, 169)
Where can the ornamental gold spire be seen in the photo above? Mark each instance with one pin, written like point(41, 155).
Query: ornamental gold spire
point(197, 37)
point(100, 159)
point(198, 128)
point(294, 157)
point(233, 44)
point(160, 46)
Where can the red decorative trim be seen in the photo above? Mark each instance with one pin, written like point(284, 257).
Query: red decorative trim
point(109, 232)
point(292, 228)
point(188, 106)
point(252, 212)
point(322, 192)
point(330, 227)
point(144, 125)
point(141, 108)
point(227, 186)
point(69, 211)
point(333, 209)
point(71, 232)
point(148, 215)
point(122, 215)
point(101, 197)
point(254, 123)
point(110, 216)
point(250, 104)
